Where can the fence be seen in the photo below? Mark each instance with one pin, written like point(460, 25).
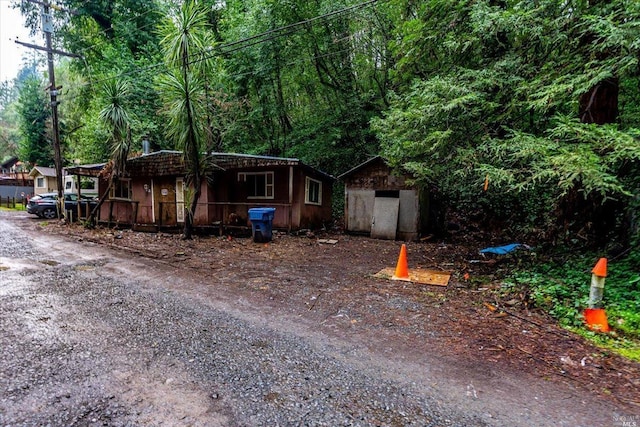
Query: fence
point(12, 202)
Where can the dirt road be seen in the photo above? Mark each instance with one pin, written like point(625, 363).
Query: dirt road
point(222, 332)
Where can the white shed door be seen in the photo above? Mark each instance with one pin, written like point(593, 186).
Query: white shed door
point(180, 199)
point(384, 223)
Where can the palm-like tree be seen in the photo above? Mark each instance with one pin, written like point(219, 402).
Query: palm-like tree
point(116, 118)
point(186, 43)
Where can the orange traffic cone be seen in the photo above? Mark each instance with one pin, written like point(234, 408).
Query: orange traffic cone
point(595, 316)
point(596, 319)
point(600, 269)
point(402, 268)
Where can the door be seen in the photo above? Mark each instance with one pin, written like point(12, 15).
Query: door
point(180, 199)
point(360, 210)
point(384, 223)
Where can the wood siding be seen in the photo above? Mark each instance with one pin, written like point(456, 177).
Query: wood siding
point(225, 199)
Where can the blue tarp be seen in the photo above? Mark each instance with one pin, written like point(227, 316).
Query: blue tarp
point(502, 250)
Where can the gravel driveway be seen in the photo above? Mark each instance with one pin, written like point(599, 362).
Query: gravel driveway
point(90, 337)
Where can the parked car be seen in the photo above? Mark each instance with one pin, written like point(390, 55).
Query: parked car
point(44, 205)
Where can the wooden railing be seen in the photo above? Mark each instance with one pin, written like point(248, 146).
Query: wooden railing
point(222, 221)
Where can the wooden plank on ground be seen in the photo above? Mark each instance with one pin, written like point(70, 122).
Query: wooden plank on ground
point(426, 277)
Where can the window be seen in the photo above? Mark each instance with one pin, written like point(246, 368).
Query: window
point(68, 185)
point(259, 184)
point(121, 189)
point(313, 192)
point(87, 183)
point(40, 182)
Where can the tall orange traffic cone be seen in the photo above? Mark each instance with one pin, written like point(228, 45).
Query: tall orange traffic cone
point(598, 275)
point(595, 316)
point(402, 268)
point(600, 269)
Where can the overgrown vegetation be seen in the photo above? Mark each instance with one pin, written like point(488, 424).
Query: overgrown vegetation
point(561, 288)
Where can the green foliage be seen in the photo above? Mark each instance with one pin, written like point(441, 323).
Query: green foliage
point(452, 91)
point(506, 91)
point(570, 155)
point(186, 44)
point(310, 91)
point(116, 117)
point(9, 119)
point(182, 125)
point(561, 288)
point(34, 146)
point(118, 40)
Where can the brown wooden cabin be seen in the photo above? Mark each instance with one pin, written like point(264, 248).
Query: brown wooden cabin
point(153, 195)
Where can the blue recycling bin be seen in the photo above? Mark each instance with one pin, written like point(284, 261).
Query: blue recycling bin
point(261, 224)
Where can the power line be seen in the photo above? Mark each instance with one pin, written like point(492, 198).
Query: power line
point(238, 45)
point(307, 21)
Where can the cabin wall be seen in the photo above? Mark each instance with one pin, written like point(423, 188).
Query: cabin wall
point(144, 196)
point(230, 202)
point(50, 184)
point(311, 215)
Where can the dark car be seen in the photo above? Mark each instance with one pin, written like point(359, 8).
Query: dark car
point(44, 205)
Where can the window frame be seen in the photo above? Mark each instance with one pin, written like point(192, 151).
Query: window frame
point(269, 185)
point(307, 193)
point(87, 183)
point(112, 191)
point(41, 179)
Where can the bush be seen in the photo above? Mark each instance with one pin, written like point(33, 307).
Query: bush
point(562, 290)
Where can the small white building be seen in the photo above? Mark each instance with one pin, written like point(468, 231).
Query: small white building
point(44, 180)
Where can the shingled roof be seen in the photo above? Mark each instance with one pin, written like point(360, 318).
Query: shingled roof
point(42, 170)
point(237, 161)
point(240, 161)
point(170, 163)
point(159, 163)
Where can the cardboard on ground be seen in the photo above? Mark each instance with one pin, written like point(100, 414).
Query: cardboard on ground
point(426, 277)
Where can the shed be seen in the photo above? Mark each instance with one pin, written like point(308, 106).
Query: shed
point(381, 203)
point(44, 180)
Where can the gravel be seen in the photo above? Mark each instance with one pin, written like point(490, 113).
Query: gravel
point(84, 342)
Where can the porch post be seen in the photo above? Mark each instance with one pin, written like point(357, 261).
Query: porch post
point(79, 197)
point(290, 197)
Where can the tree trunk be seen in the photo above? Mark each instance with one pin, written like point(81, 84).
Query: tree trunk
point(187, 233)
point(600, 104)
point(191, 158)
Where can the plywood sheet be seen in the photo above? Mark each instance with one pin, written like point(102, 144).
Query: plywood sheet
point(385, 218)
point(426, 277)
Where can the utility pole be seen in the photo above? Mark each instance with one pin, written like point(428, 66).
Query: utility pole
point(47, 28)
